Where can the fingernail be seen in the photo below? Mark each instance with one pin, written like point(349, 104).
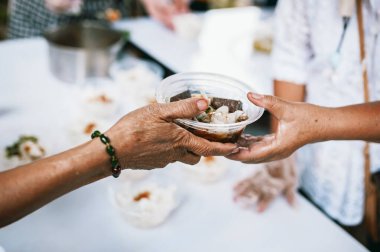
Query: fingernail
point(235, 150)
point(202, 104)
point(256, 96)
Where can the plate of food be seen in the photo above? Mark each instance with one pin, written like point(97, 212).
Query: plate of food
point(229, 110)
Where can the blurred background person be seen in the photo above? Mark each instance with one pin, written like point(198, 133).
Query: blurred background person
point(31, 18)
point(316, 58)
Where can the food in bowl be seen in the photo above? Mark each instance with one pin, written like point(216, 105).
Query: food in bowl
point(219, 111)
point(81, 128)
point(148, 205)
point(222, 92)
point(101, 99)
point(208, 170)
point(25, 150)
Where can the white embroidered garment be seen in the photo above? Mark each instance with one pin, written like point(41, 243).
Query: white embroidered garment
point(307, 35)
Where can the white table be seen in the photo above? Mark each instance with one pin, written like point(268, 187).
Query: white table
point(84, 220)
point(184, 55)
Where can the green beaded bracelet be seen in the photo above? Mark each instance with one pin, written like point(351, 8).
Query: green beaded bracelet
point(116, 168)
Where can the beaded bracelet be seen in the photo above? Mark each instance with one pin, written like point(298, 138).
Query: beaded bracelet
point(116, 168)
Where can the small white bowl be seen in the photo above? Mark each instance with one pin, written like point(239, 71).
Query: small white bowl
point(100, 100)
point(208, 170)
point(145, 205)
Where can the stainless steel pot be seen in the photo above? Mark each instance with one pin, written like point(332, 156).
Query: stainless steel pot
point(82, 50)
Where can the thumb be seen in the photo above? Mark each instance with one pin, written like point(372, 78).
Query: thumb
point(273, 104)
point(187, 108)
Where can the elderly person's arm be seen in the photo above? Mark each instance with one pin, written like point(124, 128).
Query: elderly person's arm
point(144, 139)
point(302, 123)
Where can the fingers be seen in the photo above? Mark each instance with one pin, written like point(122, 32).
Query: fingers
point(273, 104)
point(165, 15)
point(258, 190)
point(160, 11)
point(261, 149)
point(58, 7)
point(242, 187)
point(290, 195)
point(263, 203)
point(190, 159)
point(183, 109)
point(245, 193)
point(203, 147)
point(246, 140)
point(246, 201)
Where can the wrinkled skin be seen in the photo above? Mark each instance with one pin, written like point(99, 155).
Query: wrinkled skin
point(275, 179)
point(147, 138)
point(164, 11)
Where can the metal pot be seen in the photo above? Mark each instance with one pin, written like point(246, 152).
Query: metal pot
point(82, 50)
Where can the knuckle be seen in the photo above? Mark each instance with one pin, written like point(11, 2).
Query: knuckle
point(271, 101)
point(205, 151)
point(215, 150)
point(154, 109)
point(182, 138)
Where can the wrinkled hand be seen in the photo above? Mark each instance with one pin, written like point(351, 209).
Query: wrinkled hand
point(148, 138)
point(164, 11)
point(296, 123)
point(260, 189)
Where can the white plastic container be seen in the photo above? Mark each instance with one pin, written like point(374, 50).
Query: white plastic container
point(213, 85)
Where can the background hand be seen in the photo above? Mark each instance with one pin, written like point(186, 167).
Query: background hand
point(62, 6)
point(164, 11)
point(264, 186)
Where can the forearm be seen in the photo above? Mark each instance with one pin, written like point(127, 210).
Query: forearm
point(29, 187)
point(355, 122)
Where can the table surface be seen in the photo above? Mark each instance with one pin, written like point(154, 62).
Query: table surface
point(186, 55)
point(33, 101)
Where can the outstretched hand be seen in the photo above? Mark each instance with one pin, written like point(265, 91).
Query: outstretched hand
point(294, 129)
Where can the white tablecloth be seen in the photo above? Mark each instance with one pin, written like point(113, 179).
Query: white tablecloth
point(184, 55)
point(84, 220)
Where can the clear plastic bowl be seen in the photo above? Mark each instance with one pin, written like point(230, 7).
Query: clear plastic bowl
point(213, 85)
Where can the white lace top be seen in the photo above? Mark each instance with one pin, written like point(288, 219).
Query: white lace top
point(306, 37)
